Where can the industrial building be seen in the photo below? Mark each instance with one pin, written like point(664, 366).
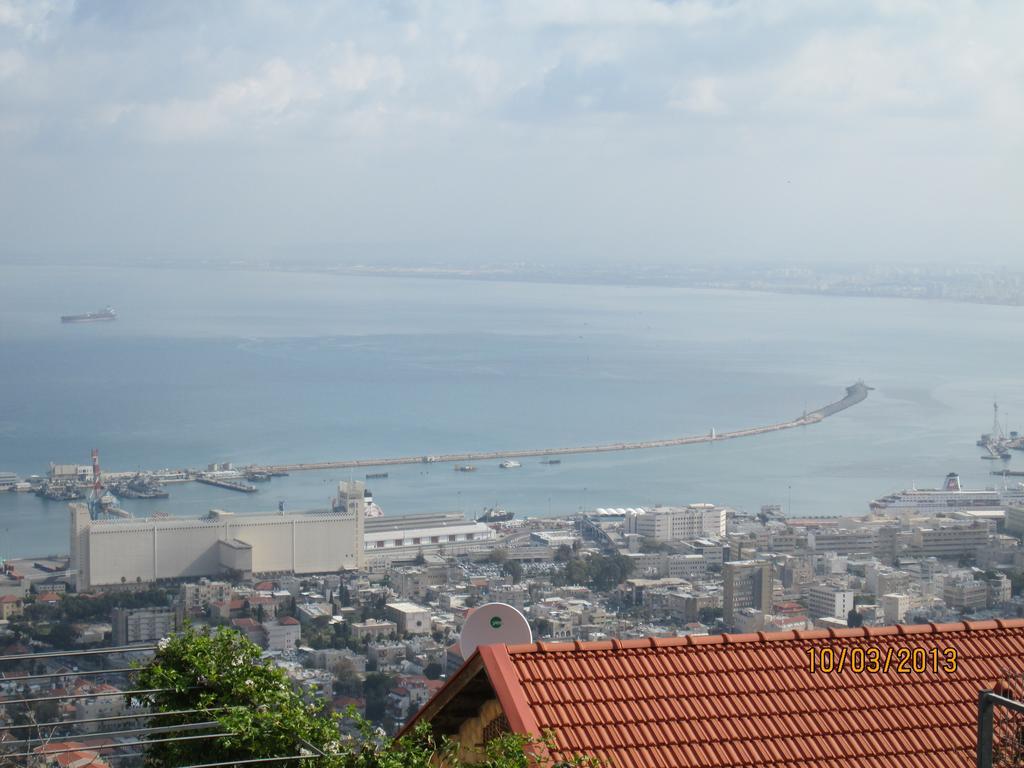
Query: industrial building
point(116, 551)
point(402, 539)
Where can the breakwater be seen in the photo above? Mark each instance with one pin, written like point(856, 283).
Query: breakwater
point(855, 393)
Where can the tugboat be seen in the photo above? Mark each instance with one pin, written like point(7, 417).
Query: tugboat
point(495, 515)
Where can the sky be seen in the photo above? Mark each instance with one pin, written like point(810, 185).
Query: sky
point(541, 131)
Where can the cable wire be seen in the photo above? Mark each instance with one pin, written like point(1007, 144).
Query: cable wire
point(63, 654)
point(249, 761)
point(84, 696)
point(115, 717)
point(104, 734)
point(116, 671)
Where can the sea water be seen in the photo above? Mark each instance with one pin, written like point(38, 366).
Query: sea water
point(252, 366)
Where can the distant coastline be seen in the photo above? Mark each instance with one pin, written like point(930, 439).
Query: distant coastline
point(953, 285)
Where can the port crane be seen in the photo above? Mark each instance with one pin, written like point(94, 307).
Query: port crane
point(101, 504)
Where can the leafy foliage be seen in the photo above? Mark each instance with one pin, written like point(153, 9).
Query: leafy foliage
point(220, 674)
point(599, 572)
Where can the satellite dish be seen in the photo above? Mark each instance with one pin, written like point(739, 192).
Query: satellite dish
point(493, 623)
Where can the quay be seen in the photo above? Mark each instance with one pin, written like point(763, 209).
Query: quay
point(855, 393)
point(230, 485)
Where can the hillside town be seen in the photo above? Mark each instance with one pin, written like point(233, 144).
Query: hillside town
point(383, 638)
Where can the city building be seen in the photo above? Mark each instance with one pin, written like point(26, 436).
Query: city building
point(669, 524)
point(950, 541)
point(965, 592)
point(894, 608)
point(10, 606)
point(828, 600)
point(142, 625)
point(411, 619)
point(1000, 591)
point(282, 634)
point(195, 597)
point(372, 629)
point(842, 541)
point(746, 584)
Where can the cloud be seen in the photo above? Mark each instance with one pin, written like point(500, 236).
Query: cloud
point(261, 100)
point(32, 19)
point(700, 96)
point(358, 72)
point(545, 102)
point(11, 63)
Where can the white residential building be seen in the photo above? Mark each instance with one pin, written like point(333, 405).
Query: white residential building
point(895, 607)
point(825, 600)
point(282, 635)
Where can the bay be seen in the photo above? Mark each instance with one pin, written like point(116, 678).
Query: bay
point(257, 366)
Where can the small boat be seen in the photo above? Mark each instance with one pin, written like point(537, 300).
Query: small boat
point(551, 461)
point(376, 475)
point(465, 468)
point(509, 464)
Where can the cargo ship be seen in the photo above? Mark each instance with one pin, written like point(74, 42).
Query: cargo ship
point(495, 515)
point(102, 315)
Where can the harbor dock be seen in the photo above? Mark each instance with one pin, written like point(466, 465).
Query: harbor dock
point(855, 393)
point(231, 485)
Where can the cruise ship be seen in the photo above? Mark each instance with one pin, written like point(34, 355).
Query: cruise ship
point(950, 498)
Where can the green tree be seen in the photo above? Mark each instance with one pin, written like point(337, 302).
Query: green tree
point(220, 674)
point(375, 690)
point(497, 556)
point(854, 619)
point(432, 671)
point(514, 569)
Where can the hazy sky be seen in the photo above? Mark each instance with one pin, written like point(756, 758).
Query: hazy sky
point(514, 129)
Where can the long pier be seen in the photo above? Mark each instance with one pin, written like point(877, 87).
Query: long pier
point(855, 393)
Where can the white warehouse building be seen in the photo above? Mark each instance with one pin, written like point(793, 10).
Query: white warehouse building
point(109, 552)
point(118, 551)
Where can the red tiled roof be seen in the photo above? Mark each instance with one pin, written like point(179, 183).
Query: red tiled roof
point(9, 599)
point(739, 700)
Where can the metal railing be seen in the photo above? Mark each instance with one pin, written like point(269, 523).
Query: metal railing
point(1001, 724)
point(32, 739)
